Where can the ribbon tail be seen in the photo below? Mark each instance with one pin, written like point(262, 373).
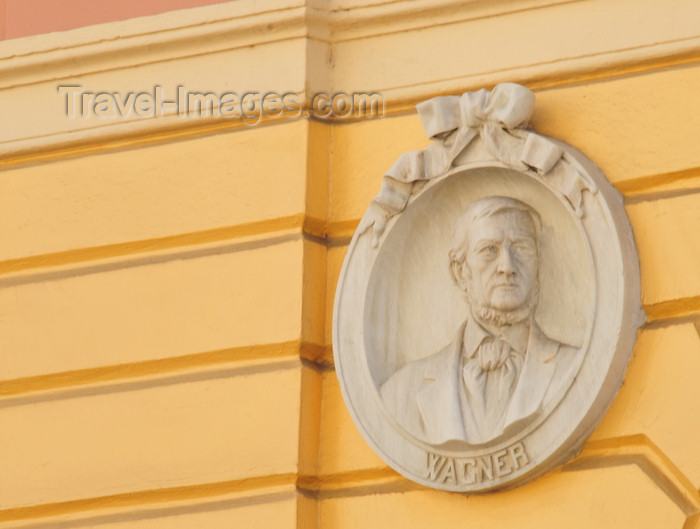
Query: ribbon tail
point(546, 158)
point(412, 167)
point(375, 218)
point(565, 179)
point(394, 194)
point(408, 167)
point(539, 153)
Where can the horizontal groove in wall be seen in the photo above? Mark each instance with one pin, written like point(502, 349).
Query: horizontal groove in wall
point(334, 234)
point(399, 102)
point(315, 356)
point(673, 309)
point(149, 497)
point(311, 354)
point(628, 450)
point(355, 483)
point(81, 255)
point(641, 451)
point(121, 136)
point(632, 450)
point(662, 194)
point(338, 233)
point(246, 237)
point(129, 516)
point(572, 76)
point(134, 253)
point(564, 73)
point(649, 185)
point(107, 265)
point(693, 522)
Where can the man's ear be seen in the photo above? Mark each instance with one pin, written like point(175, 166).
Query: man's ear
point(461, 273)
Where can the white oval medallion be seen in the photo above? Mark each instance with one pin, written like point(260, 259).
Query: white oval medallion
point(489, 300)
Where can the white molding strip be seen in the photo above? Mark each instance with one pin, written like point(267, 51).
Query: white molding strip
point(237, 24)
point(306, 46)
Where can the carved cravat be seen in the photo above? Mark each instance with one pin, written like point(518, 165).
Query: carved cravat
point(490, 375)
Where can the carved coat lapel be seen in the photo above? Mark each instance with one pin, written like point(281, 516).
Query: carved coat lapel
point(535, 377)
point(438, 400)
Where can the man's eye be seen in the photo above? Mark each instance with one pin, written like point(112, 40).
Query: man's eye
point(524, 249)
point(491, 249)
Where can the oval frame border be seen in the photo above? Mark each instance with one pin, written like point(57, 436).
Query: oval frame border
point(560, 436)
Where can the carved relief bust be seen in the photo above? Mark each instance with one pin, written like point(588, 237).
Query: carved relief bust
point(489, 300)
point(501, 366)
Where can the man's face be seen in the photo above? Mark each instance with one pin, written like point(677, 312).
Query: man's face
point(502, 260)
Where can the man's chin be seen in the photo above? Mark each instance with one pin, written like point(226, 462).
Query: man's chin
point(502, 318)
point(507, 304)
point(502, 315)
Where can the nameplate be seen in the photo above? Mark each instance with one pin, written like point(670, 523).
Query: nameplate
point(472, 470)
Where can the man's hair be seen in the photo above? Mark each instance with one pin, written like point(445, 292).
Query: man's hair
point(487, 207)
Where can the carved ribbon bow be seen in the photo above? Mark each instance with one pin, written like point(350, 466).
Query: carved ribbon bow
point(498, 117)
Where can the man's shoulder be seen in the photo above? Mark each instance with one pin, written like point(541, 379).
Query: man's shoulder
point(551, 349)
point(561, 361)
point(414, 375)
point(565, 359)
point(566, 350)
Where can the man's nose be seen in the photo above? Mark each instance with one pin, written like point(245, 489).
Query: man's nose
point(506, 265)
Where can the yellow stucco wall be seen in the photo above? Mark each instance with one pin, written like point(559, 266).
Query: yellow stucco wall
point(166, 284)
